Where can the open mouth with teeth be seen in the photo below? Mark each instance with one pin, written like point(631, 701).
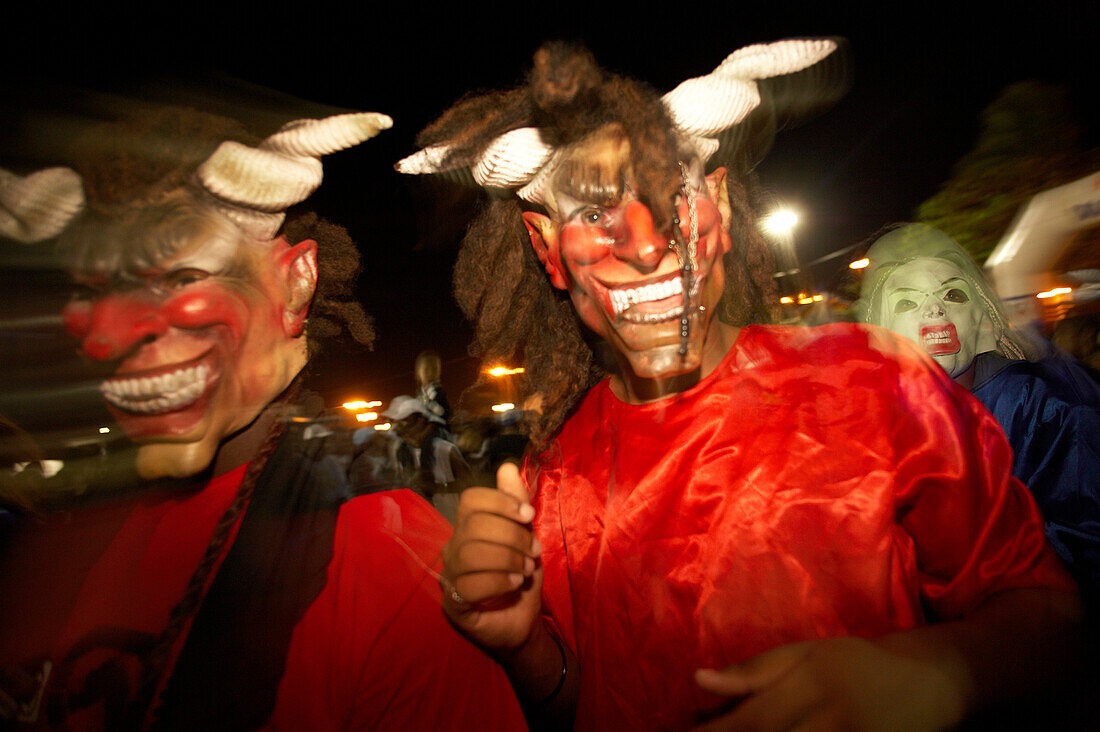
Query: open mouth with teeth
point(655, 301)
point(940, 340)
point(163, 390)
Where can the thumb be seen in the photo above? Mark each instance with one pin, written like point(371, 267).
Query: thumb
point(752, 675)
point(510, 483)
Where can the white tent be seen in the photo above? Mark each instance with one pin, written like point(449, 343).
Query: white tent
point(1022, 264)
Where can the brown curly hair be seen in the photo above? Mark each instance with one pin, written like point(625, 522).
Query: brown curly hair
point(500, 284)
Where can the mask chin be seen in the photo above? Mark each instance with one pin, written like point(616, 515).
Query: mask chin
point(175, 459)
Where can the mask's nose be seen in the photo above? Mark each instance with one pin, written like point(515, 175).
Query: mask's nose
point(932, 307)
point(118, 323)
point(639, 243)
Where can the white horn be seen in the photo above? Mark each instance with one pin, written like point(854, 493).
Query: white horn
point(285, 168)
point(706, 105)
point(512, 159)
point(316, 137)
point(39, 206)
point(764, 60)
point(260, 179)
point(428, 160)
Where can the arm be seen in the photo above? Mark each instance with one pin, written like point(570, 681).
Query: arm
point(1012, 647)
point(492, 581)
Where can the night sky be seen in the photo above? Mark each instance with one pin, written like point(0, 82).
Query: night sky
point(922, 73)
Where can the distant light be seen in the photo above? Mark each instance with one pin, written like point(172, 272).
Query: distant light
point(352, 406)
point(300, 419)
point(781, 221)
point(818, 298)
point(1056, 291)
point(859, 263)
point(504, 371)
point(366, 416)
point(382, 426)
point(805, 300)
point(104, 430)
point(505, 407)
point(786, 299)
point(375, 403)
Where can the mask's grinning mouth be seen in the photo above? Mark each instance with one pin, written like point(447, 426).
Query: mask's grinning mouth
point(172, 389)
point(624, 299)
point(940, 340)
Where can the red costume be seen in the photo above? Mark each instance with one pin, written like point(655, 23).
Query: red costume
point(372, 651)
point(810, 487)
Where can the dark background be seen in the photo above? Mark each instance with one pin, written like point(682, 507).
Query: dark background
point(922, 73)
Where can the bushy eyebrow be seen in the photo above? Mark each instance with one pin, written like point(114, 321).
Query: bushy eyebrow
point(588, 181)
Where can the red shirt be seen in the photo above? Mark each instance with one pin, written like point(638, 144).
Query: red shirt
point(810, 487)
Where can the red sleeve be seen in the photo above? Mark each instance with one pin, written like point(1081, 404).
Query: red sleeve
point(375, 650)
point(976, 530)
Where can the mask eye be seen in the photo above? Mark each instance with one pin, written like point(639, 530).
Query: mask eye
point(955, 295)
point(593, 216)
point(179, 278)
point(903, 305)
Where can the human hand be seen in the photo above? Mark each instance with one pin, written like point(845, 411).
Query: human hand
point(491, 563)
point(839, 683)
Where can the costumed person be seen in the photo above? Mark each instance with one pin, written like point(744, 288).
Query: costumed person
point(438, 441)
point(239, 587)
point(923, 285)
point(428, 370)
point(747, 525)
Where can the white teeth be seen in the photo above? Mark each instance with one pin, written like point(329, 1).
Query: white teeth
point(624, 298)
point(156, 394)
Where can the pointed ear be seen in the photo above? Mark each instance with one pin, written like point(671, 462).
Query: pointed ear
point(718, 192)
point(544, 239)
point(297, 267)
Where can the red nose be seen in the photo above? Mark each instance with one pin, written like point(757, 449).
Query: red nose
point(119, 323)
point(639, 244)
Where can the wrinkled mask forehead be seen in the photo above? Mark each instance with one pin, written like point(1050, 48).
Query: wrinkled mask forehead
point(128, 246)
point(924, 276)
point(599, 170)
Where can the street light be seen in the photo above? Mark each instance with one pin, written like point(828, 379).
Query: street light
point(780, 222)
point(860, 263)
point(504, 371)
point(353, 406)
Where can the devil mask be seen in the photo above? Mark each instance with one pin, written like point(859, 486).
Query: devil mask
point(193, 300)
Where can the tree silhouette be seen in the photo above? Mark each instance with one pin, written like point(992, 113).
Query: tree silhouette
point(1030, 141)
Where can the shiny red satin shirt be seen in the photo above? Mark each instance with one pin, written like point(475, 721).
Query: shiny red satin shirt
point(820, 482)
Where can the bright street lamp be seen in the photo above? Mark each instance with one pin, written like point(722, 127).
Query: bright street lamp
point(780, 222)
point(504, 371)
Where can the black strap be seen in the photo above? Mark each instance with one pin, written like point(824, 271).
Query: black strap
point(230, 668)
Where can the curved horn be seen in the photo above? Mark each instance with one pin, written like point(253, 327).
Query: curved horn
point(316, 137)
point(512, 159)
point(700, 108)
point(428, 160)
point(765, 60)
point(709, 104)
point(283, 170)
point(39, 206)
